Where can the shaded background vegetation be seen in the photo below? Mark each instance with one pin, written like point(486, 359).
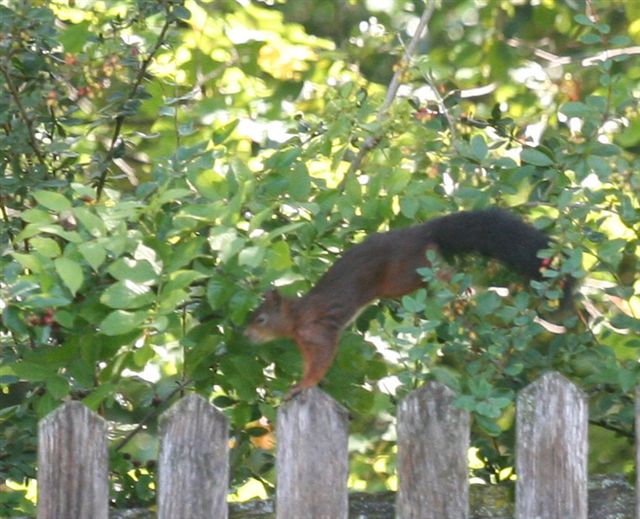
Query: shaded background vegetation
point(164, 162)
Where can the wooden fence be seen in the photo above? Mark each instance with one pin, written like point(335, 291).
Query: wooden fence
point(312, 458)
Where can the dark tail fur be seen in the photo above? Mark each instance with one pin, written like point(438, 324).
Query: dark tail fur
point(497, 234)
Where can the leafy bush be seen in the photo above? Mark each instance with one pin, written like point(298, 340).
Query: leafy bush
point(163, 163)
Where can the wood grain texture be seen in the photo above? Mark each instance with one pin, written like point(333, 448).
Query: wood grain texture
point(72, 464)
point(551, 450)
point(193, 463)
point(433, 440)
point(312, 458)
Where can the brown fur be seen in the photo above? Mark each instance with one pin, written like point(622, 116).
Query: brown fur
point(384, 266)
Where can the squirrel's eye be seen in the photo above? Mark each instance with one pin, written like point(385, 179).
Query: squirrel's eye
point(261, 319)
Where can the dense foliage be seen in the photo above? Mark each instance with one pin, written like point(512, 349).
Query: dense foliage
point(164, 162)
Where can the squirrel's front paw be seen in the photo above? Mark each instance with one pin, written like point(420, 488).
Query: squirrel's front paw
point(295, 390)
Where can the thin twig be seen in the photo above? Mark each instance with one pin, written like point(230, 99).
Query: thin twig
point(151, 414)
point(558, 61)
point(614, 428)
point(120, 118)
point(442, 107)
point(5, 217)
point(392, 91)
point(33, 142)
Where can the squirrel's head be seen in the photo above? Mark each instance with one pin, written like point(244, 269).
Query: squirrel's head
point(271, 320)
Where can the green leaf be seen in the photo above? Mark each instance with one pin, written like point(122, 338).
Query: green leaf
point(182, 279)
point(90, 221)
point(58, 386)
point(279, 257)
point(208, 183)
point(583, 20)
point(398, 181)
point(94, 254)
point(576, 109)
point(299, 183)
point(137, 271)
point(487, 303)
point(590, 39)
point(409, 206)
point(222, 134)
point(284, 230)
point(181, 12)
point(34, 229)
point(447, 376)
point(535, 157)
point(479, 148)
point(184, 253)
point(169, 300)
point(52, 200)
point(225, 242)
point(251, 256)
point(32, 371)
point(37, 216)
point(487, 425)
point(71, 274)
point(143, 355)
point(120, 322)
point(48, 247)
point(240, 304)
point(98, 395)
point(282, 159)
point(599, 166)
point(623, 321)
point(127, 294)
point(171, 195)
point(218, 291)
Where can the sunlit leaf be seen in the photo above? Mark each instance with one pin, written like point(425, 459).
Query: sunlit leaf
point(71, 274)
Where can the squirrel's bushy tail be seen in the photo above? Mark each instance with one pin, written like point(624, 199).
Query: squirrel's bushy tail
point(497, 234)
point(493, 233)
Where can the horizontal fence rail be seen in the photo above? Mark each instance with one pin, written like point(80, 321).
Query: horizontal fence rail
point(312, 457)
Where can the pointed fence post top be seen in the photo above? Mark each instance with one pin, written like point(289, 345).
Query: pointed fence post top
point(192, 405)
point(551, 449)
point(73, 410)
point(551, 382)
point(72, 464)
point(431, 391)
point(313, 397)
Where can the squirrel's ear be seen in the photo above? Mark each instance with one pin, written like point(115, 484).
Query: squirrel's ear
point(273, 297)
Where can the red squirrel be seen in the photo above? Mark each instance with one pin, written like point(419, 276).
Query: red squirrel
point(384, 266)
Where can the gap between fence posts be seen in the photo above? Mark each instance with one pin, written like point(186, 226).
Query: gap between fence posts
point(312, 459)
point(73, 464)
point(551, 450)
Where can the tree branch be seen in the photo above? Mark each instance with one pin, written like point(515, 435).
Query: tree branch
point(371, 142)
point(614, 428)
point(33, 142)
point(5, 217)
point(558, 61)
point(120, 118)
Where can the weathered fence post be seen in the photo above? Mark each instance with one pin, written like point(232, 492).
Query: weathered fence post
point(433, 440)
point(312, 462)
point(193, 463)
point(551, 450)
point(72, 464)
